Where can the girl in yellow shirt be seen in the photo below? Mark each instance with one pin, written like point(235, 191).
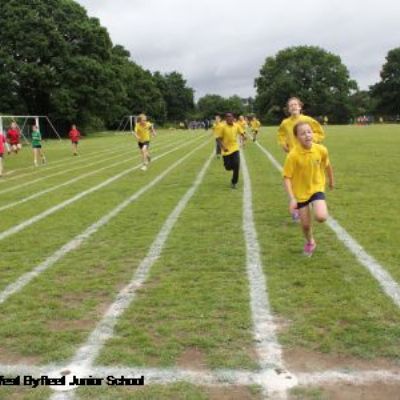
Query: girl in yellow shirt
point(143, 131)
point(286, 138)
point(304, 178)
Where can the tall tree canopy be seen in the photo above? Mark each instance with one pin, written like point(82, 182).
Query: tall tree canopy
point(316, 76)
point(212, 104)
point(55, 60)
point(178, 97)
point(386, 92)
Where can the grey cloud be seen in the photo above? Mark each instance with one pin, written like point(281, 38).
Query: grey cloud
point(219, 46)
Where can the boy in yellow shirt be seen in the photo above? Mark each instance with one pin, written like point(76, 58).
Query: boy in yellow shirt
point(143, 131)
point(216, 128)
point(228, 137)
point(255, 126)
point(304, 178)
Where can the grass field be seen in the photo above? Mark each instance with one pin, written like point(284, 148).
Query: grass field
point(109, 270)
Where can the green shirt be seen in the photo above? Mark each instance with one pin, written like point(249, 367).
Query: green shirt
point(36, 138)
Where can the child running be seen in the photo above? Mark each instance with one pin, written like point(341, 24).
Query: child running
point(255, 126)
point(228, 140)
point(304, 178)
point(286, 137)
point(13, 137)
point(75, 136)
point(2, 149)
point(143, 130)
point(216, 128)
point(243, 124)
point(37, 145)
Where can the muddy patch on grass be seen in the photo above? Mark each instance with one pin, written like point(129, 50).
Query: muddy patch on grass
point(232, 393)
point(192, 358)
point(303, 360)
point(10, 357)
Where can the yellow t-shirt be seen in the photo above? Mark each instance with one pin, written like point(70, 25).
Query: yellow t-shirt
point(229, 136)
point(143, 131)
point(242, 123)
point(306, 169)
point(286, 135)
point(217, 127)
point(255, 124)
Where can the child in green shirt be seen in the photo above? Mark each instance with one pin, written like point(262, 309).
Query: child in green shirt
point(37, 145)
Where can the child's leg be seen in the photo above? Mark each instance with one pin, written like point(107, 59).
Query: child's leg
point(1, 165)
point(35, 156)
point(320, 210)
point(42, 156)
point(306, 223)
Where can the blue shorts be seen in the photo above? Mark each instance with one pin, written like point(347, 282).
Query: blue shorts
point(315, 196)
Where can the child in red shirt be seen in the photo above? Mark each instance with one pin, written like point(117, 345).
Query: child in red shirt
point(13, 136)
point(2, 148)
point(75, 136)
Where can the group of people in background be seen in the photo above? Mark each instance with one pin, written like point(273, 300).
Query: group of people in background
point(306, 166)
point(10, 143)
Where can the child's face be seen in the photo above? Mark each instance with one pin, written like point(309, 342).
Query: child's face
point(305, 135)
point(294, 107)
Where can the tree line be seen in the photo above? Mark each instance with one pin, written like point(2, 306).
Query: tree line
point(55, 60)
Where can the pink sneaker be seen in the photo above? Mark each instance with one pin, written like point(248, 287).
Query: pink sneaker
point(309, 249)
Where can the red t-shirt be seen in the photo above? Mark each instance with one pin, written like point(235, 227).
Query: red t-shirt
point(74, 135)
point(13, 136)
point(2, 141)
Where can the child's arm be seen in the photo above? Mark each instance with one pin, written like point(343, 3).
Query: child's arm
point(331, 180)
point(289, 191)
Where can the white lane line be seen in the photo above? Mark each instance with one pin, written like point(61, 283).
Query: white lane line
point(385, 280)
point(79, 160)
point(268, 348)
point(73, 244)
point(51, 189)
point(52, 210)
point(88, 352)
point(352, 377)
point(74, 160)
point(68, 171)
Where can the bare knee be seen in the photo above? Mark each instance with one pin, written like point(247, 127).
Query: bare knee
point(321, 218)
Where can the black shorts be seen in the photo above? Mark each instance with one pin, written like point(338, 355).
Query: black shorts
point(315, 196)
point(140, 144)
point(36, 146)
point(1, 155)
point(74, 142)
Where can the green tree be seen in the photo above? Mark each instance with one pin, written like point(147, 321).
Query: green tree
point(316, 76)
point(362, 103)
point(179, 98)
point(212, 104)
point(386, 92)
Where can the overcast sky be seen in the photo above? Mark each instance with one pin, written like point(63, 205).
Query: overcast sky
point(220, 45)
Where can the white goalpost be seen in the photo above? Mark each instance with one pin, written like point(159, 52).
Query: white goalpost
point(128, 120)
point(23, 124)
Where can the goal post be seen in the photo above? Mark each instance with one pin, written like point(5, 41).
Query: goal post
point(127, 121)
point(24, 126)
